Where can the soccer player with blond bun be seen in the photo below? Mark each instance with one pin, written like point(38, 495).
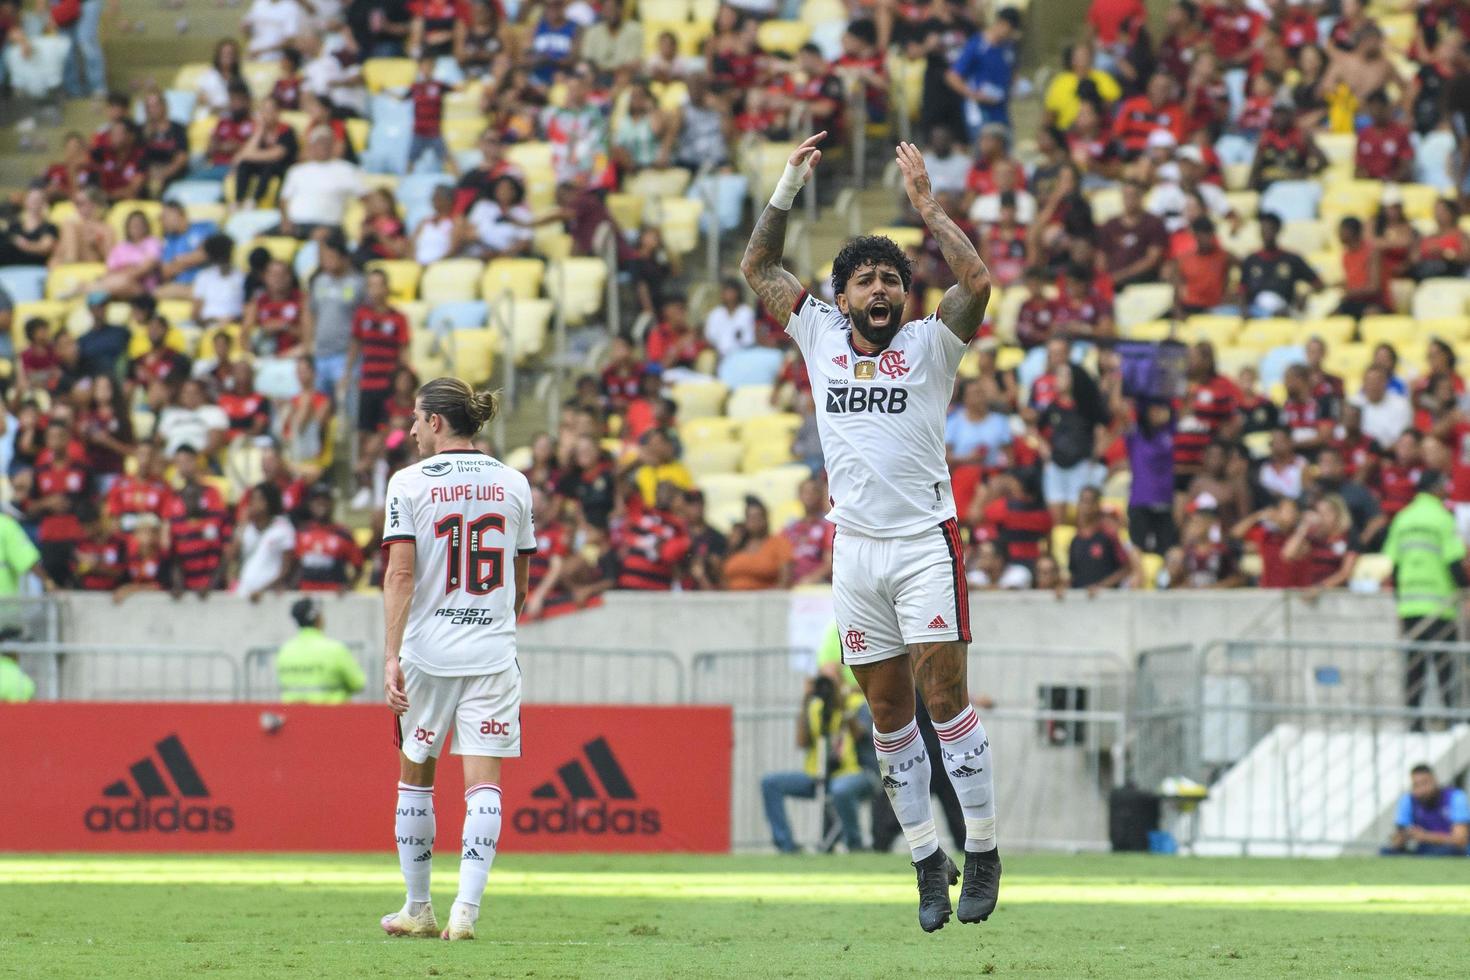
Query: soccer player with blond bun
point(898, 576)
point(450, 660)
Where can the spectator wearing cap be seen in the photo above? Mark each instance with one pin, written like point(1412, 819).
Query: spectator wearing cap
point(1385, 150)
point(984, 69)
point(313, 668)
point(1133, 243)
point(316, 191)
point(327, 557)
point(1079, 81)
point(1139, 116)
point(332, 297)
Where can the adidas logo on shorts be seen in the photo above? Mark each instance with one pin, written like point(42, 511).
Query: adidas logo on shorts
point(938, 623)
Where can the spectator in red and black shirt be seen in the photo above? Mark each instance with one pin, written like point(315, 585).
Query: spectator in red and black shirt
point(186, 474)
point(1157, 108)
point(592, 484)
point(1308, 417)
point(622, 376)
point(197, 539)
point(327, 557)
point(165, 145)
point(1324, 384)
point(58, 488)
point(811, 536)
point(247, 409)
point(1211, 411)
point(379, 342)
point(147, 559)
point(272, 326)
point(287, 90)
point(1284, 152)
point(476, 184)
point(1036, 319)
point(121, 170)
point(1323, 542)
point(74, 172)
point(651, 545)
point(266, 154)
point(161, 363)
point(1385, 150)
point(1268, 530)
point(427, 95)
point(1397, 478)
point(547, 596)
point(99, 559)
point(231, 133)
point(1096, 558)
point(1233, 28)
point(1016, 518)
point(142, 492)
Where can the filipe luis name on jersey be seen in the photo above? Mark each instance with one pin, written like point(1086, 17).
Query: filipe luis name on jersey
point(455, 492)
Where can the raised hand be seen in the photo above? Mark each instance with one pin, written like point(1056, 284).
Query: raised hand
point(807, 153)
point(915, 175)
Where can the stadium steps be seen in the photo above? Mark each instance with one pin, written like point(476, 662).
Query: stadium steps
point(1305, 792)
point(151, 51)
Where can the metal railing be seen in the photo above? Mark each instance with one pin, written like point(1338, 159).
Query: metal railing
point(1304, 746)
point(586, 675)
point(261, 683)
point(116, 672)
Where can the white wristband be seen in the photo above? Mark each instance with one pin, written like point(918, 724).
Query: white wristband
point(792, 180)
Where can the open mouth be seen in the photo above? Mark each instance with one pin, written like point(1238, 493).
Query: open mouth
point(880, 313)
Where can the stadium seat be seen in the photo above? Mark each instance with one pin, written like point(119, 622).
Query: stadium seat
point(1218, 329)
point(1305, 235)
point(782, 36)
point(1396, 330)
point(1245, 204)
point(1061, 543)
point(750, 366)
point(1328, 266)
point(1152, 331)
point(23, 283)
point(903, 235)
point(724, 197)
point(1419, 200)
point(1143, 302)
point(459, 315)
point(698, 398)
point(578, 285)
point(428, 355)
point(380, 74)
point(1107, 203)
point(1291, 200)
point(1345, 195)
point(1349, 360)
point(65, 279)
point(521, 277)
point(1441, 297)
point(764, 454)
point(519, 458)
point(451, 281)
point(663, 10)
point(242, 226)
point(678, 222)
point(653, 185)
point(1331, 329)
point(473, 354)
point(626, 210)
point(260, 77)
point(765, 162)
point(1340, 149)
point(1242, 241)
point(403, 276)
point(214, 213)
point(715, 428)
point(1265, 333)
point(530, 325)
point(1434, 160)
point(1371, 572)
point(1258, 444)
point(709, 458)
point(751, 401)
point(778, 429)
point(1454, 329)
point(282, 247)
point(779, 483)
point(188, 192)
point(189, 75)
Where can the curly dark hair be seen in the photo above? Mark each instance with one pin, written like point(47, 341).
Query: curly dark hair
point(869, 250)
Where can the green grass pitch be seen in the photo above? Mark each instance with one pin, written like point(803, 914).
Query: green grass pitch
point(315, 916)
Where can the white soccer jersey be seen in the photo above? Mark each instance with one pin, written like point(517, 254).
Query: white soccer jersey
point(468, 516)
point(881, 419)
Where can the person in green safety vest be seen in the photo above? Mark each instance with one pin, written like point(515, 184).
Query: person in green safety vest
point(1428, 558)
point(312, 667)
point(15, 686)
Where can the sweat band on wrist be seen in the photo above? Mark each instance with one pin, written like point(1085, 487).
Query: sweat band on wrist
point(792, 180)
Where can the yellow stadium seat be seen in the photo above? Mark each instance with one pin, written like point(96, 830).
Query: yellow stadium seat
point(52, 311)
point(282, 247)
point(1263, 334)
point(521, 277)
point(1340, 149)
point(117, 215)
point(1332, 329)
point(765, 162)
point(428, 354)
point(1305, 236)
point(1061, 543)
point(531, 157)
point(1143, 302)
point(1419, 200)
point(64, 279)
point(379, 74)
point(698, 398)
point(1005, 309)
point(902, 235)
point(462, 134)
point(177, 311)
point(1152, 330)
point(663, 10)
point(778, 428)
point(819, 12)
point(530, 325)
point(764, 455)
point(216, 214)
point(709, 430)
point(1258, 444)
point(577, 283)
point(1327, 265)
point(783, 514)
point(1387, 328)
point(1349, 360)
point(782, 36)
point(464, 104)
point(1440, 298)
point(188, 77)
point(199, 131)
point(707, 459)
point(451, 281)
point(1150, 565)
point(678, 223)
point(1454, 329)
point(260, 77)
point(1218, 329)
point(654, 185)
point(751, 402)
point(358, 131)
point(403, 276)
point(1009, 358)
point(1243, 241)
point(1107, 203)
point(626, 210)
point(473, 351)
point(687, 35)
point(551, 244)
point(778, 483)
point(1245, 204)
point(671, 95)
point(1371, 572)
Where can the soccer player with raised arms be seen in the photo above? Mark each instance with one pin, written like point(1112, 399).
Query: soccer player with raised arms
point(898, 576)
point(450, 634)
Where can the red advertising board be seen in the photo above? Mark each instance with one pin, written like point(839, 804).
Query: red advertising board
point(197, 777)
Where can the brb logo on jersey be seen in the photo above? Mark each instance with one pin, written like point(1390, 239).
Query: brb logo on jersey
point(867, 398)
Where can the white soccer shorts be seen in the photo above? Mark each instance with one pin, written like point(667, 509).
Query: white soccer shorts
point(892, 592)
point(485, 711)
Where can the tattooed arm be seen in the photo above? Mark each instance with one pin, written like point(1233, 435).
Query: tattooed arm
point(963, 306)
point(761, 264)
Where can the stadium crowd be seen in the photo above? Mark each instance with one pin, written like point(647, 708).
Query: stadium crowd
point(217, 331)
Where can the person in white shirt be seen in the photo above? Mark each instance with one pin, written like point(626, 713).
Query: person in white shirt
point(459, 535)
point(193, 422)
point(317, 190)
point(992, 570)
point(266, 545)
point(1386, 414)
point(219, 288)
point(731, 325)
point(1283, 472)
point(271, 24)
point(948, 167)
point(985, 209)
point(433, 239)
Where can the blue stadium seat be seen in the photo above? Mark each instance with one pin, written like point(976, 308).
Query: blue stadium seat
point(246, 225)
point(1292, 200)
point(728, 191)
point(23, 283)
point(195, 192)
point(417, 190)
point(447, 317)
point(1277, 360)
point(180, 105)
point(752, 366)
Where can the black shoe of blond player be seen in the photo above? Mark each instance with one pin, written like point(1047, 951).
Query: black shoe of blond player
point(982, 885)
point(936, 873)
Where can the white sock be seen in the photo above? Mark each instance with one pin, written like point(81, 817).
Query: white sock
point(481, 831)
point(904, 765)
point(966, 753)
point(414, 830)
